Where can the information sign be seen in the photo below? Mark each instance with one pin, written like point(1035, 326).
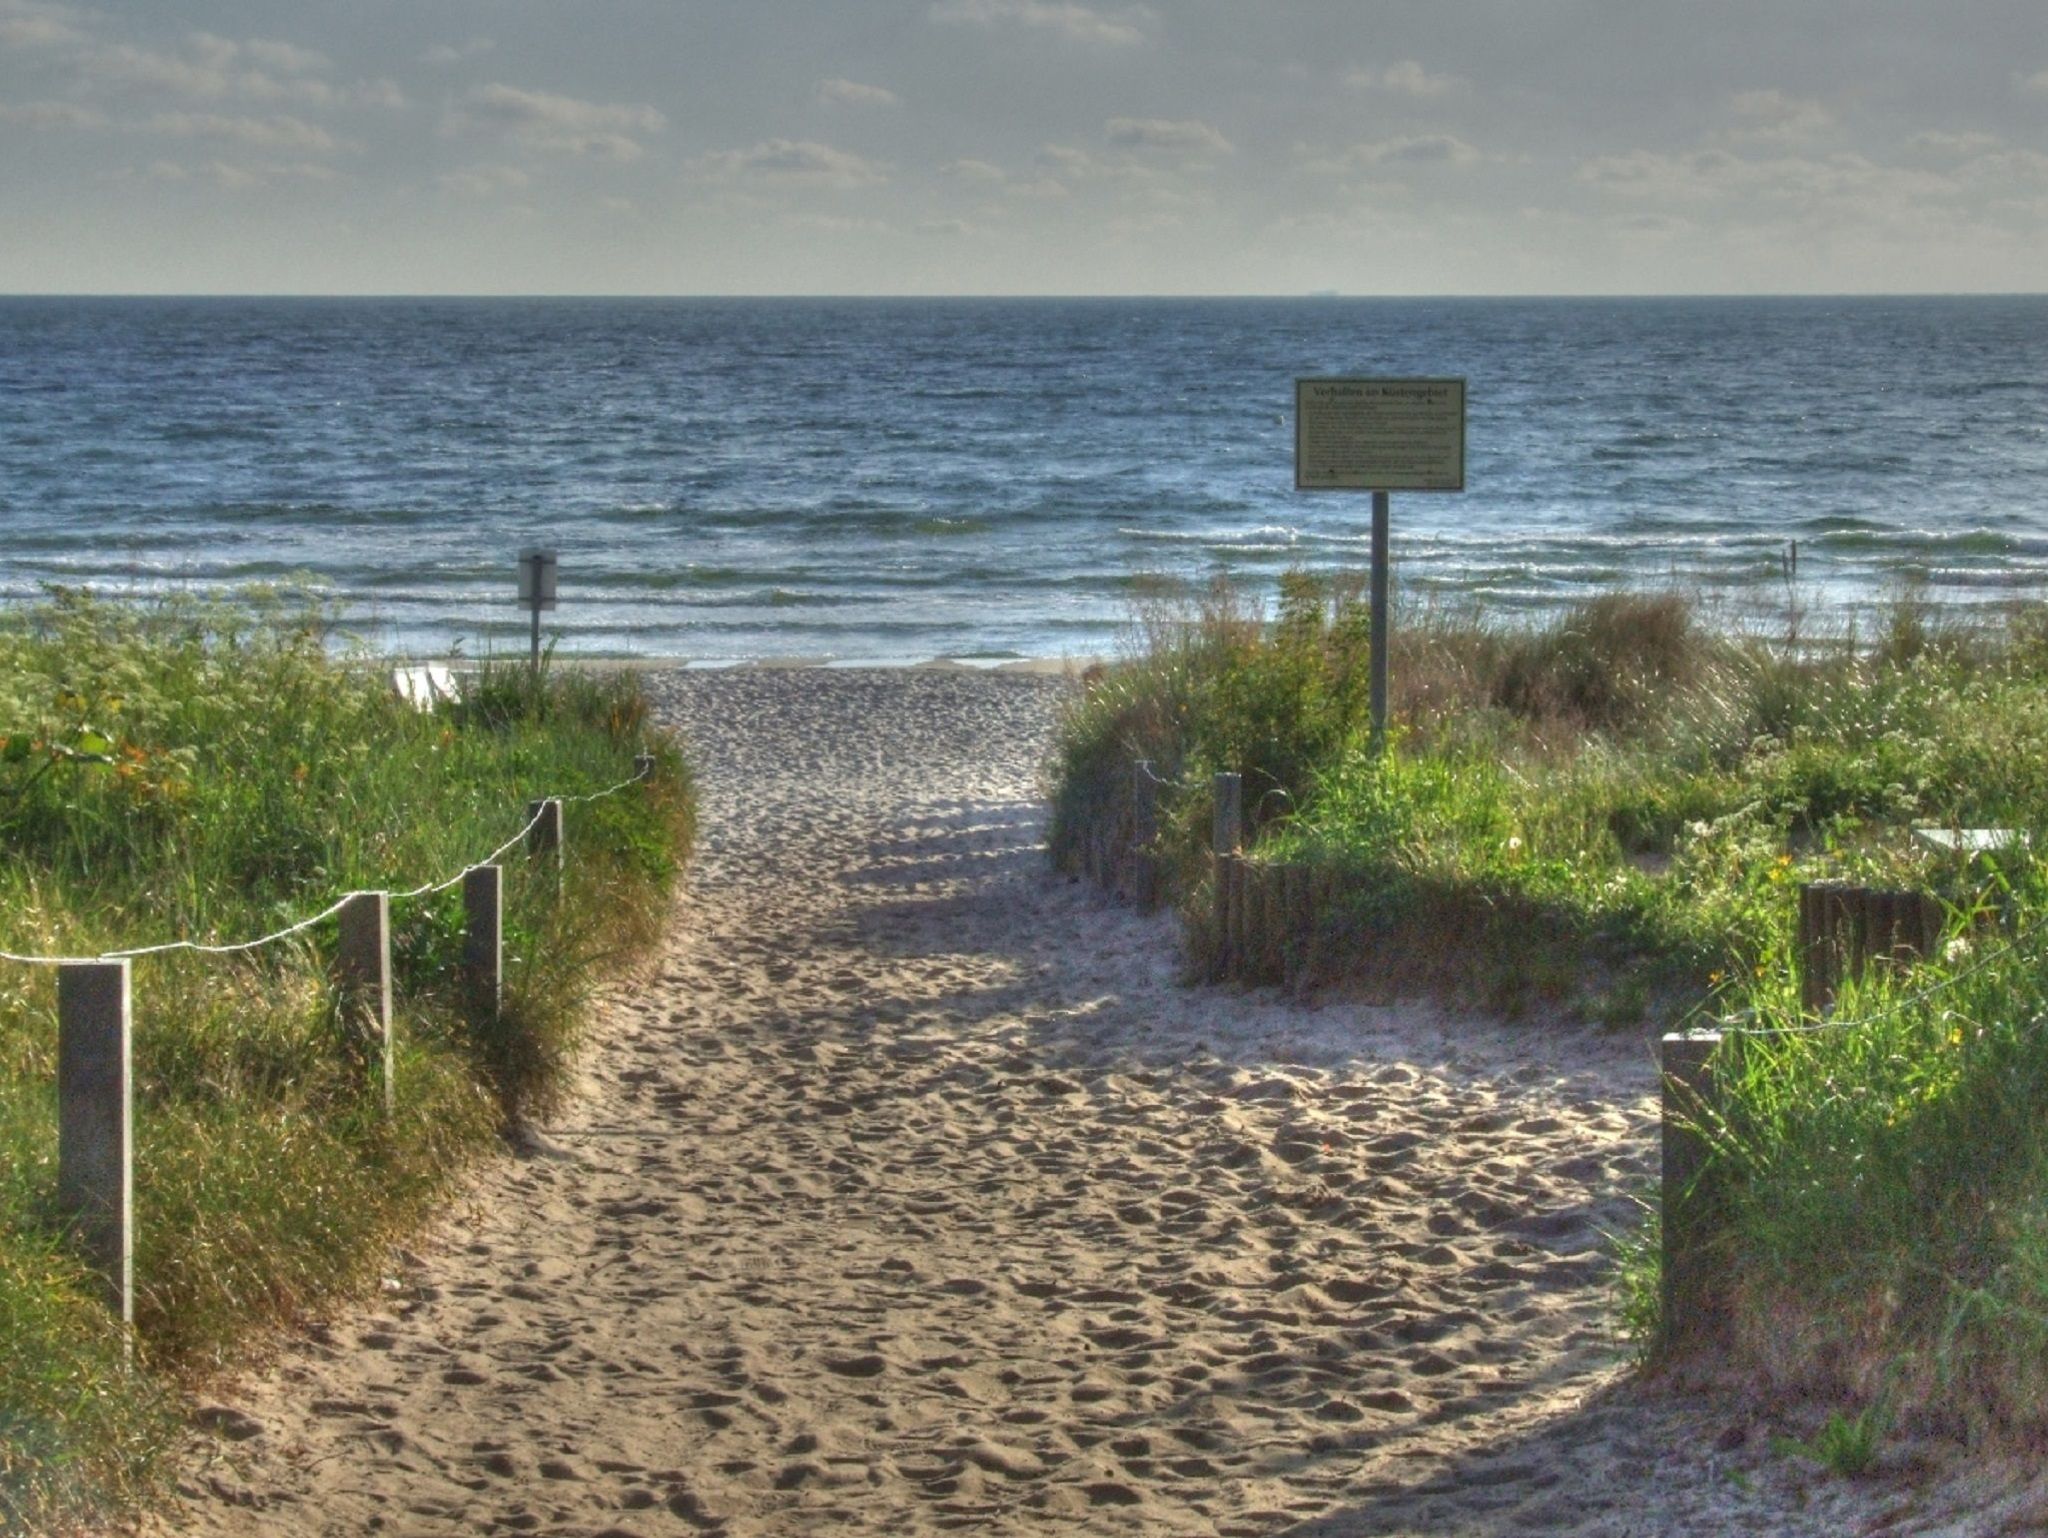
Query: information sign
point(1379, 435)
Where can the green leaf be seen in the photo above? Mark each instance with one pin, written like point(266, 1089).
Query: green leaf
point(17, 748)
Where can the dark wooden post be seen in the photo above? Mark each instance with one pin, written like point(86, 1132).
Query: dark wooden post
point(95, 1137)
point(483, 941)
point(362, 976)
point(1690, 1097)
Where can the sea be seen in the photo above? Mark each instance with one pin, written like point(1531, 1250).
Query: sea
point(891, 481)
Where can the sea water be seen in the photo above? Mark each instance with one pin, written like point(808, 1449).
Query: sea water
point(893, 480)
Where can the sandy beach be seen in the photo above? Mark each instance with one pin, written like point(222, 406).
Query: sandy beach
point(909, 1191)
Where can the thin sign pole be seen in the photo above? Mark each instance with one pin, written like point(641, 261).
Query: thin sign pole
point(1380, 563)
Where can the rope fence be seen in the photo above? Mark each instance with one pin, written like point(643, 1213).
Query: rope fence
point(95, 1101)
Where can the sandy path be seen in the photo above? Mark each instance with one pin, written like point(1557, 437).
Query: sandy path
point(913, 1194)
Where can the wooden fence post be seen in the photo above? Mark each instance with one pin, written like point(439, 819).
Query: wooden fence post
point(362, 975)
point(1690, 1097)
point(1144, 867)
point(95, 1135)
point(1841, 927)
point(544, 839)
point(483, 940)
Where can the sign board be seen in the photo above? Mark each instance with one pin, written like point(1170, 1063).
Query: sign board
point(1379, 435)
point(537, 572)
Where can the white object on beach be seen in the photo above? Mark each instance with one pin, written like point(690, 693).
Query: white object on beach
point(424, 687)
point(1972, 840)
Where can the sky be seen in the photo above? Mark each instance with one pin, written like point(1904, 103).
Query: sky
point(1023, 146)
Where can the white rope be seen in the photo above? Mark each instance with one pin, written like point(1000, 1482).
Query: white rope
point(430, 889)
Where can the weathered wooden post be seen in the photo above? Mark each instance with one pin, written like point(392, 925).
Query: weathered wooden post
point(1690, 1098)
point(483, 940)
point(362, 976)
point(544, 838)
point(1226, 832)
point(1841, 927)
point(1144, 868)
point(95, 1136)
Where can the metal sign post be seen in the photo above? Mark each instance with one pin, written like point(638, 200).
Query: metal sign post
point(1381, 436)
point(537, 571)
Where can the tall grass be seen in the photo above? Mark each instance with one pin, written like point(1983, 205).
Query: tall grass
point(214, 772)
point(1611, 813)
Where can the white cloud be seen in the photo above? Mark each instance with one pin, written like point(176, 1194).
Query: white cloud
point(1800, 182)
point(442, 55)
point(1773, 115)
point(233, 176)
point(279, 132)
point(285, 58)
point(1407, 78)
point(972, 171)
point(1412, 150)
point(2037, 82)
point(1937, 142)
point(1071, 22)
point(241, 177)
point(25, 24)
point(194, 73)
point(565, 125)
point(483, 181)
point(797, 161)
point(1184, 136)
point(851, 93)
point(51, 114)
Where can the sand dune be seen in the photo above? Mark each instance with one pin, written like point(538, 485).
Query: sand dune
point(912, 1193)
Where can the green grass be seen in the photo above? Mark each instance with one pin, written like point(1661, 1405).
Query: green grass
point(1611, 815)
point(215, 773)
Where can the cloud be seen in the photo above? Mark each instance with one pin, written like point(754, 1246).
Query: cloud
point(51, 114)
point(1413, 150)
point(1772, 115)
point(286, 58)
point(1064, 19)
point(851, 93)
point(1183, 136)
point(563, 124)
point(483, 181)
point(207, 68)
point(973, 171)
point(25, 24)
point(798, 161)
point(441, 55)
point(233, 177)
point(1800, 183)
point(1967, 145)
point(1407, 78)
point(281, 132)
point(2037, 83)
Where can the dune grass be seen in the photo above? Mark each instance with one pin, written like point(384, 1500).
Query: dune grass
point(1611, 814)
point(216, 773)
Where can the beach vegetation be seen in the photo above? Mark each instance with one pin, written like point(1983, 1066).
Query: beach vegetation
point(217, 771)
point(1610, 814)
